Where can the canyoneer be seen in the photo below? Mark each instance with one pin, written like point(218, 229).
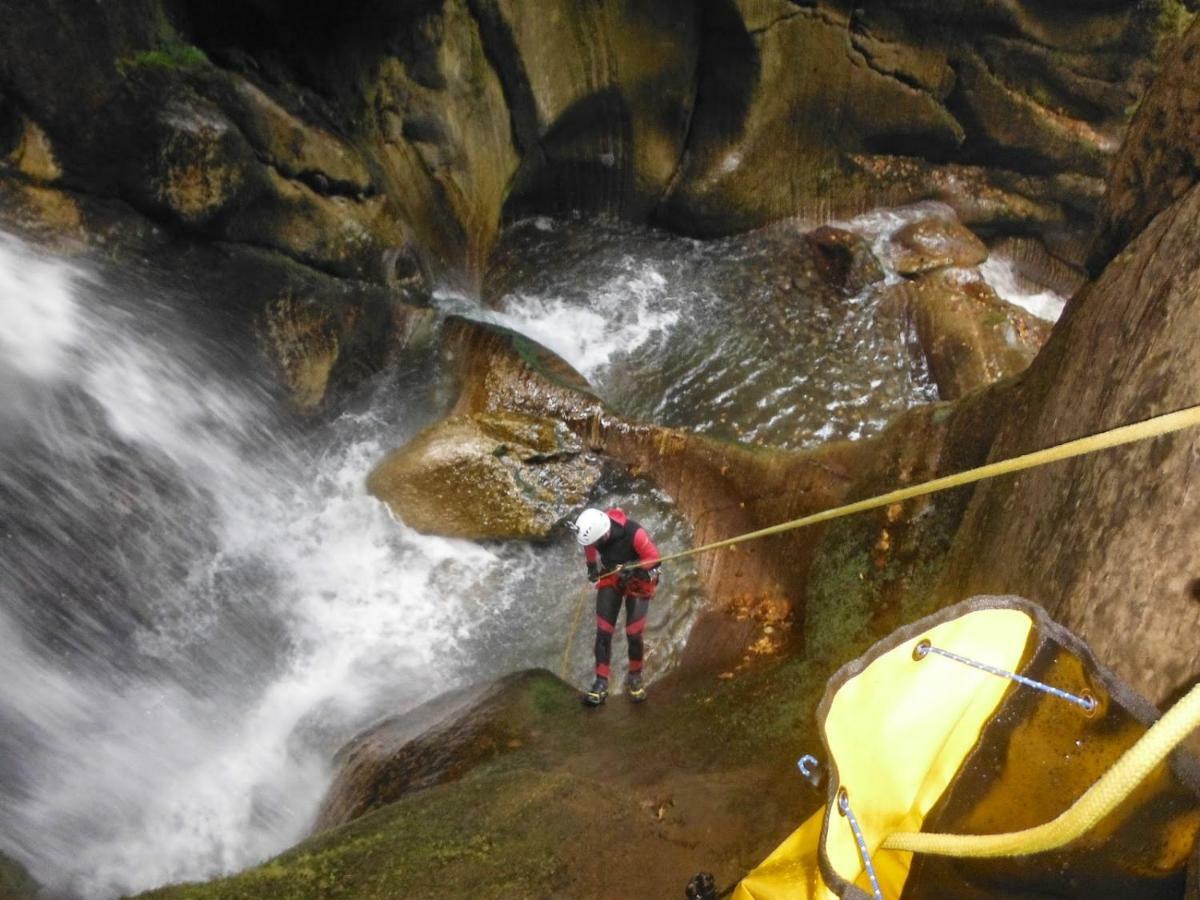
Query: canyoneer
point(612, 541)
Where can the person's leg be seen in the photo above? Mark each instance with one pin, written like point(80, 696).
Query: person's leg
point(635, 626)
point(608, 606)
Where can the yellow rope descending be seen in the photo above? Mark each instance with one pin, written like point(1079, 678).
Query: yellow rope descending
point(1098, 801)
point(1125, 434)
point(566, 657)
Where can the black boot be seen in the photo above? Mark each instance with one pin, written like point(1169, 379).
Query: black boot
point(633, 687)
point(597, 693)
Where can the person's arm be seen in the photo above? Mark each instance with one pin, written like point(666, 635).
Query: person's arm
point(593, 562)
point(645, 549)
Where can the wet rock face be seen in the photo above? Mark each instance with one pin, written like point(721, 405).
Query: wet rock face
point(1107, 543)
point(722, 488)
point(1027, 103)
point(433, 744)
point(1159, 160)
point(844, 259)
point(338, 135)
point(876, 571)
point(15, 883)
point(491, 475)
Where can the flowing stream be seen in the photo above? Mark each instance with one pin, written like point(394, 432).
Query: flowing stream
point(199, 602)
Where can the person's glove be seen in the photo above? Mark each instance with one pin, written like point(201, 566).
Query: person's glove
point(593, 572)
point(637, 573)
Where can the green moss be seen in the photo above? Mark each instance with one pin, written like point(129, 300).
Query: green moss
point(175, 54)
point(15, 883)
point(1171, 19)
point(841, 593)
point(489, 836)
point(995, 318)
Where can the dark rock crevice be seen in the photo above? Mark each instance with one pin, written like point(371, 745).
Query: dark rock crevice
point(502, 52)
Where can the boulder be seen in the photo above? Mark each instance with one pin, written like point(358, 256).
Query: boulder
point(844, 259)
point(200, 162)
point(935, 244)
point(968, 335)
point(722, 488)
point(487, 476)
point(435, 743)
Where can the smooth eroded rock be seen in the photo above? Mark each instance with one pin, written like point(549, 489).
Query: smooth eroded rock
point(490, 475)
point(1160, 157)
point(1107, 542)
point(969, 336)
point(435, 743)
point(722, 488)
point(936, 244)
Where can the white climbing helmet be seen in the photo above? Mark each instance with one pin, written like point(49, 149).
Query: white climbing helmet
point(591, 526)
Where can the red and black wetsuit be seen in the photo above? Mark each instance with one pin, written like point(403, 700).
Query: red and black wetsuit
point(627, 542)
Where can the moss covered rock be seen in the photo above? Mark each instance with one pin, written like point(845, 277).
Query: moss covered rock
point(878, 570)
point(701, 777)
point(490, 475)
point(435, 743)
point(15, 882)
point(722, 488)
point(339, 136)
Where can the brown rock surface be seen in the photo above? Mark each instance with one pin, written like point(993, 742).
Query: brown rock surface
point(434, 743)
point(487, 476)
point(878, 570)
point(844, 259)
point(1106, 542)
point(936, 244)
point(1160, 158)
point(341, 138)
point(969, 336)
point(722, 488)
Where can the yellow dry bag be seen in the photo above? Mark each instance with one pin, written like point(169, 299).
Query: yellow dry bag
point(988, 738)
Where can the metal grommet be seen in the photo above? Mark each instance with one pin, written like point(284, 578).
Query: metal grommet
point(1092, 704)
point(843, 801)
point(922, 649)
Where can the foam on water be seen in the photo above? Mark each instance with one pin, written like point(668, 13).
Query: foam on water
point(624, 312)
point(199, 604)
point(878, 226)
point(1001, 275)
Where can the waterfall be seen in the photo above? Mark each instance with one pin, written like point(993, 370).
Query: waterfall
point(199, 602)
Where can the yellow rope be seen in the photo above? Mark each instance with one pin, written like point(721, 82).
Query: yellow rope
point(1137, 762)
point(1097, 802)
point(566, 657)
point(1125, 434)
